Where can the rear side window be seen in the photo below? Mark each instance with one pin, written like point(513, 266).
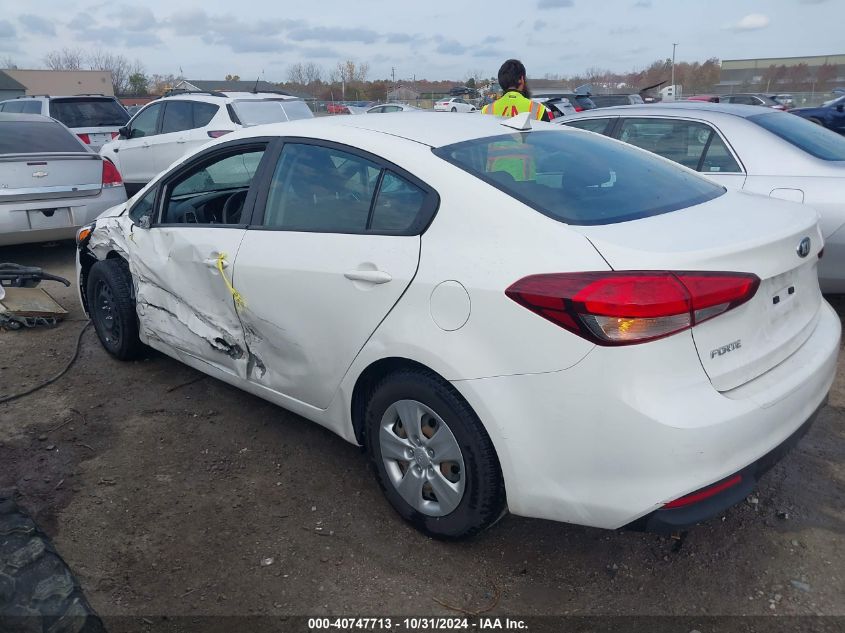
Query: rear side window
point(599, 126)
point(398, 204)
point(259, 112)
point(23, 107)
point(88, 112)
point(30, 137)
point(605, 101)
point(203, 113)
point(809, 137)
point(580, 178)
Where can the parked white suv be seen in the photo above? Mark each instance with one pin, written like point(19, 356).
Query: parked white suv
point(95, 119)
point(169, 128)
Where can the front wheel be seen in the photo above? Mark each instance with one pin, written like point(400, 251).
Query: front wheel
point(432, 456)
point(454, 109)
point(112, 308)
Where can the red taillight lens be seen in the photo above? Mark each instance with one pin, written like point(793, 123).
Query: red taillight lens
point(704, 493)
point(218, 133)
point(579, 109)
point(85, 138)
point(111, 177)
point(114, 135)
point(624, 308)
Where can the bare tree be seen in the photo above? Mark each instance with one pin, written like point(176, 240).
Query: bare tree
point(312, 73)
point(296, 74)
point(8, 62)
point(65, 59)
point(159, 84)
point(118, 65)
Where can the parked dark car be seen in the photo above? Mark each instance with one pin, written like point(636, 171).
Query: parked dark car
point(755, 99)
point(608, 101)
point(580, 102)
point(831, 114)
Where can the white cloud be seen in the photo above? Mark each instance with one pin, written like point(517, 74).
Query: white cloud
point(751, 22)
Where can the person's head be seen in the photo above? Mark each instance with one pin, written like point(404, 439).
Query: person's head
point(512, 77)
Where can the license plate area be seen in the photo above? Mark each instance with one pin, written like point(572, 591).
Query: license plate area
point(50, 218)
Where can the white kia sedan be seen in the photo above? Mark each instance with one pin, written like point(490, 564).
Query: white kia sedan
point(543, 320)
point(749, 148)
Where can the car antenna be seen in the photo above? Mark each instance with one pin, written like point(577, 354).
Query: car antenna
point(520, 122)
point(255, 87)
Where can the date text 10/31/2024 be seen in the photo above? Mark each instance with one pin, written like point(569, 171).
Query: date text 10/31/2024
point(416, 624)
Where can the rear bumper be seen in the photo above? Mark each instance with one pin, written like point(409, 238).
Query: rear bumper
point(627, 430)
point(48, 220)
point(673, 519)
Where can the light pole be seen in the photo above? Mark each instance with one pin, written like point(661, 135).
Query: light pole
point(674, 46)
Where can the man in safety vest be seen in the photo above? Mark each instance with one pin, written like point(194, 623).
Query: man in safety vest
point(516, 99)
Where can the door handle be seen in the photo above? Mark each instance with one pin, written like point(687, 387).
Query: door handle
point(213, 262)
point(370, 276)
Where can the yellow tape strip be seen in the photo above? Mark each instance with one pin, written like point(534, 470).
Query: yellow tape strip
point(239, 300)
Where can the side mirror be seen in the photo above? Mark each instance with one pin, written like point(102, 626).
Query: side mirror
point(123, 132)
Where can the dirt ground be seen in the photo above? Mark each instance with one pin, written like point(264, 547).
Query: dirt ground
point(169, 493)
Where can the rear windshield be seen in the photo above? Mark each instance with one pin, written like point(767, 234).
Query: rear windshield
point(258, 112)
point(580, 178)
point(91, 112)
point(35, 137)
point(803, 134)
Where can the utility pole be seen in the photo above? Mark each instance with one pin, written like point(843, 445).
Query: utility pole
point(674, 90)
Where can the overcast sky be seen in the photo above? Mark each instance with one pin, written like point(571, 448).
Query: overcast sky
point(435, 39)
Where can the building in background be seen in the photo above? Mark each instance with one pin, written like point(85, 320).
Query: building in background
point(214, 85)
point(63, 82)
point(816, 74)
point(9, 87)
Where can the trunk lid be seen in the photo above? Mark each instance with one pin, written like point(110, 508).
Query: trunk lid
point(736, 232)
point(49, 176)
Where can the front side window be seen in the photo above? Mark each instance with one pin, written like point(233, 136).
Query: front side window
point(579, 178)
point(683, 142)
point(144, 207)
point(214, 191)
point(144, 123)
point(806, 136)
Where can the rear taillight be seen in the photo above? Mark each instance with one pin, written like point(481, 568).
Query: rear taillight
point(85, 138)
point(111, 177)
point(114, 135)
point(624, 308)
point(218, 133)
point(579, 109)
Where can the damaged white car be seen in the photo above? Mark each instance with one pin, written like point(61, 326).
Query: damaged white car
point(540, 320)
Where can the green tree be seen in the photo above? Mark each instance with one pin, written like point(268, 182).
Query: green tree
point(470, 83)
point(138, 83)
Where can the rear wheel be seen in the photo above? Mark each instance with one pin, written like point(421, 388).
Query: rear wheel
point(113, 308)
point(454, 109)
point(432, 456)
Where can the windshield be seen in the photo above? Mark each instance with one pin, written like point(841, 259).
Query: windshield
point(91, 112)
point(809, 137)
point(31, 137)
point(259, 112)
point(834, 102)
point(580, 178)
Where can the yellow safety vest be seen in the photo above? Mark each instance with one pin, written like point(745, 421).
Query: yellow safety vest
point(513, 103)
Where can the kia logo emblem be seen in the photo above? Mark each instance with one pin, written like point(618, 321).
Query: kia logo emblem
point(803, 247)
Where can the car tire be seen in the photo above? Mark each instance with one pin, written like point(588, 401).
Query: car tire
point(38, 593)
point(470, 465)
point(454, 109)
point(112, 308)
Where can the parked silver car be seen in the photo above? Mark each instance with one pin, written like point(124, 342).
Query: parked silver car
point(746, 147)
point(50, 183)
point(391, 107)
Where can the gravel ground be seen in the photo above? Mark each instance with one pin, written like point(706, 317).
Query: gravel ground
point(169, 493)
